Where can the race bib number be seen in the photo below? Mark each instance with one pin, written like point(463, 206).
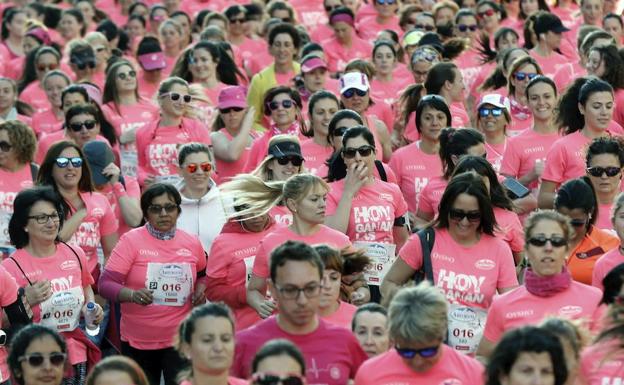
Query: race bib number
point(249, 261)
point(129, 162)
point(170, 283)
point(5, 217)
point(61, 312)
point(465, 327)
point(171, 179)
point(382, 256)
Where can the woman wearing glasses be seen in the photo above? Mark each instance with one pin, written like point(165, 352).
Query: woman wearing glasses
point(157, 141)
point(36, 352)
point(55, 276)
point(417, 324)
point(493, 120)
point(548, 287)
point(521, 72)
point(126, 111)
point(157, 274)
point(471, 264)
point(576, 198)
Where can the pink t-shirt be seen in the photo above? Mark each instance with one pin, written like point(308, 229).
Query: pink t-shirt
point(343, 316)
point(509, 229)
point(248, 49)
point(368, 27)
point(34, 95)
point(523, 150)
point(414, 169)
point(281, 215)
point(281, 234)
point(387, 92)
point(132, 190)
point(495, 154)
point(99, 222)
point(567, 73)
point(605, 264)
point(68, 275)
point(549, 64)
point(227, 170)
point(321, 33)
point(337, 55)
point(459, 116)
point(373, 210)
point(136, 255)
point(519, 308)
point(604, 216)
point(430, 196)
point(11, 183)
point(158, 146)
point(310, 13)
point(147, 89)
point(390, 369)
point(8, 295)
point(566, 158)
point(46, 122)
point(315, 155)
point(469, 63)
point(618, 113)
point(601, 364)
point(332, 353)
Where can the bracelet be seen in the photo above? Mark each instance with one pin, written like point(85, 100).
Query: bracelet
point(119, 190)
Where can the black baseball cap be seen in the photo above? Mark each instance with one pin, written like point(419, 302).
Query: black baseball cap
point(548, 22)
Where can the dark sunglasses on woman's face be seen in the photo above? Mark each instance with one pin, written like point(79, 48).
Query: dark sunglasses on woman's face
point(411, 353)
point(37, 359)
point(174, 96)
point(364, 151)
point(593, 171)
point(353, 91)
point(63, 162)
point(286, 104)
point(124, 76)
point(464, 27)
point(228, 110)
point(459, 215)
point(520, 76)
point(295, 160)
point(485, 112)
point(5, 146)
point(426, 27)
point(541, 240)
point(578, 222)
point(272, 379)
point(157, 209)
point(88, 124)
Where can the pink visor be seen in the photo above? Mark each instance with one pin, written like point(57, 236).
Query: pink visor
point(312, 64)
point(152, 61)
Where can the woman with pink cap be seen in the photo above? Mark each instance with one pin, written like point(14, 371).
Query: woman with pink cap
point(232, 134)
point(152, 61)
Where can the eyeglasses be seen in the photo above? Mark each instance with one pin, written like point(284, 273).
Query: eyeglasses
point(541, 240)
point(464, 27)
point(411, 353)
point(124, 76)
point(42, 219)
point(157, 209)
point(364, 151)
point(228, 110)
point(523, 75)
point(274, 379)
point(63, 162)
point(174, 96)
point(292, 292)
point(5, 146)
point(238, 21)
point(578, 222)
point(388, 2)
point(427, 27)
point(593, 171)
point(193, 167)
point(485, 112)
point(340, 131)
point(36, 359)
point(46, 67)
point(295, 160)
point(352, 91)
point(489, 12)
point(286, 104)
point(459, 215)
point(88, 124)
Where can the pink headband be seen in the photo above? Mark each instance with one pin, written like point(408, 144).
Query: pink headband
point(345, 17)
point(40, 35)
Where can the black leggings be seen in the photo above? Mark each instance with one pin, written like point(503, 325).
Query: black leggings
point(154, 362)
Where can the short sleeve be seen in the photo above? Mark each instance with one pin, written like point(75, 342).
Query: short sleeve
point(261, 262)
point(132, 187)
point(218, 263)
point(332, 199)
point(554, 169)
point(510, 165)
point(122, 257)
point(399, 202)
point(411, 252)
point(425, 205)
point(494, 326)
point(108, 223)
point(506, 268)
point(8, 288)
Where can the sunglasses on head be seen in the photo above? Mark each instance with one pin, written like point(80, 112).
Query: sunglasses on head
point(228, 110)
point(5, 146)
point(489, 12)
point(523, 75)
point(273, 379)
point(364, 151)
point(88, 124)
point(124, 76)
point(352, 91)
point(293, 159)
point(411, 353)
point(286, 104)
point(541, 240)
point(174, 96)
point(464, 27)
point(63, 162)
point(37, 359)
point(593, 171)
point(459, 215)
point(485, 112)
point(339, 131)
point(193, 167)
point(46, 67)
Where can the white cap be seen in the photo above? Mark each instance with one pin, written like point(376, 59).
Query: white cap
point(355, 80)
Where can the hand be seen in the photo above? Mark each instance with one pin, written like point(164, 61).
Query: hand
point(142, 297)
point(199, 296)
point(38, 292)
point(357, 176)
point(149, 180)
point(112, 172)
point(99, 313)
point(249, 117)
point(266, 308)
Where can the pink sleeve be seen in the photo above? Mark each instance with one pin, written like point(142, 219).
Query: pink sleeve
point(87, 278)
point(202, 134)
point(122, 256)
point(555, 164)
point(493, 326)
point(219, 290)
point(108, 223)
point(8, 288)
point(510, 165)
point(261, 262)
point(424, 203)
point(598, 275)
point(411, 252)
point(132, 187)
point(332, 200)
point(201, 254)
point(218, 262)
point(516, 235)
point(141, 145)
point(254, 157)
point(391, 176)
point(506, 268)
point(395, 164)
point(399, 202)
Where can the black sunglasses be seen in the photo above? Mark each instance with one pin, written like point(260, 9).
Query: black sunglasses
point(274, 105)
point(411, 353)
point(541, 240)
point(228, 110)
point(352, 91)
point(464, 27)
point(364, 151)
point(424, 27)
point(593, 171)
point(37, 359)
point(270, 379)
point(578, 222)
point(295, 160)
point(88, 124)
point(459, 215)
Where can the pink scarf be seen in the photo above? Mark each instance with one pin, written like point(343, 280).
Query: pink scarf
point(547, 286)
point(292, 130)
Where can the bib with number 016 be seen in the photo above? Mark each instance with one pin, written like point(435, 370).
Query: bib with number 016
point(382, 256)
point(465, 327)
point(129, 162)
point(5, 217)
point(61, 312)
point(170, 283)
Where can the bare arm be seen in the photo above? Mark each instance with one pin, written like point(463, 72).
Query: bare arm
point(71, 225)
point(399, 273)
point(546, 197)
point(384, 139)
point(357, 175)
point(231, 150)
point(256, 297)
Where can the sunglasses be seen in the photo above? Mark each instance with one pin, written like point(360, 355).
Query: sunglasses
point(124, 76)
point(174, 96)
point(424, 27)
point(46, 67)
point(295, 160)
point(63, 162)
point(340, 131)
point(464, 27)
point(329, 8)
point(593, 171)
point(523, 75)
point(411, 353)
point(157, 209)
point(459, 215)
point(228, 110)
point(541, 240)
point(352, 91)
point(5, 146)
point(485, 112)
point(286, 104)
point(193, 167)
point(388, 2)
point(88, 124)
point(364, 151)
point(489, 12)
point(271, 379)
point(238, 21)
point(37, 359)
point(578, 222)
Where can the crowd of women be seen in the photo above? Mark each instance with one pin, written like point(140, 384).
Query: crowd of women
point(212, 192)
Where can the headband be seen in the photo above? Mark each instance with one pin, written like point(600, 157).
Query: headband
point(344, 17)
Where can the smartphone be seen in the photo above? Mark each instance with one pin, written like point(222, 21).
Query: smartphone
point(515, 189)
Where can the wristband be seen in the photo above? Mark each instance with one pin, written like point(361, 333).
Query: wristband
point(119, 190)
